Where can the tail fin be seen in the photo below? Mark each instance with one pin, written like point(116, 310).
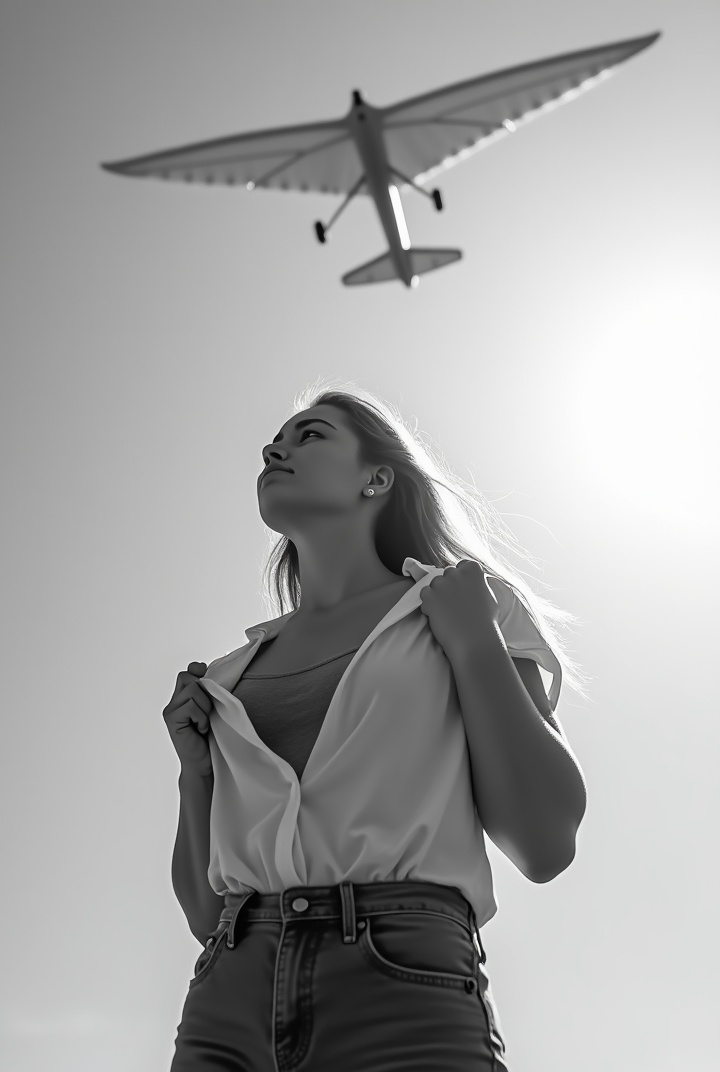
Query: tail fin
point(382, 268)
point(424, 260)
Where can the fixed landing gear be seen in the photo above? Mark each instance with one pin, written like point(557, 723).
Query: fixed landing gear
point(322, 231)
point(435, 196)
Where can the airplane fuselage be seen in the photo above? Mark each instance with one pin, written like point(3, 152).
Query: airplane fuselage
point(366, 128)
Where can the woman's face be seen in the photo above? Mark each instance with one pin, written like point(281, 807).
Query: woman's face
point(327, 479)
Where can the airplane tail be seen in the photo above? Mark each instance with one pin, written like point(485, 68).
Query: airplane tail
point(382, 268)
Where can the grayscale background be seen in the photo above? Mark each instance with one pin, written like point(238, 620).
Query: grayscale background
point(154, 337)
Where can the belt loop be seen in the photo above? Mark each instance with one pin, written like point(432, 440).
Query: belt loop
point(347, 900)
point(234, 913)
point(476, 937)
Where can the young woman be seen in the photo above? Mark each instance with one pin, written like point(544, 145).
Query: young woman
point(340, 769)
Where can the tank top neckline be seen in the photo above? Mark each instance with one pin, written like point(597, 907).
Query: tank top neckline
point(304, 669)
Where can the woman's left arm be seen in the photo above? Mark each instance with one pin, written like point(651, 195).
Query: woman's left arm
point(528, 786)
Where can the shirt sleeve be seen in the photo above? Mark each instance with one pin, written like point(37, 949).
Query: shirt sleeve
point(522, 637)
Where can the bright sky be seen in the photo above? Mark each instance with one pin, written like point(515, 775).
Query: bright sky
point(154, 336)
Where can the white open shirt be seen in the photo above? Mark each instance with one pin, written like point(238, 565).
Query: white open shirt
point(356, 769)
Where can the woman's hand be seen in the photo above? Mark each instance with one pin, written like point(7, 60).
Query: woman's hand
point(188, 722)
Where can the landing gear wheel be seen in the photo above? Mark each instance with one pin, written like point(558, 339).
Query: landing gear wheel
point(437, 199)
point(320, 232)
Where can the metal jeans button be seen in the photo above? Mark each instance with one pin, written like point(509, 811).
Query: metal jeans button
point(300, 904)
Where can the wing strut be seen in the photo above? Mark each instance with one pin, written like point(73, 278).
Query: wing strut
point(321, 230)
point(434, 195)
point(404, 178)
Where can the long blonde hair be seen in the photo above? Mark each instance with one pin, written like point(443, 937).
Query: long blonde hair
point(438, 526)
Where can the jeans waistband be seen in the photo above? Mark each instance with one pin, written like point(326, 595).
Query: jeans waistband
point(345, 901)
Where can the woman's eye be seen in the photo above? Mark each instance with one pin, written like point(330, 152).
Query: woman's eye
point(309, 431)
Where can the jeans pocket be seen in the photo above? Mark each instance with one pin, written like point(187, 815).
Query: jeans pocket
point(497, 1039)
point(211, 953)
point(426, 948)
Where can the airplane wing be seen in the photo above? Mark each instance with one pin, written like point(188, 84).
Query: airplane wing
point(432, 132)
point(316, 156)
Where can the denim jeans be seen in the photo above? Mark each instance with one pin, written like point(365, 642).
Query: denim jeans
point(372, 977)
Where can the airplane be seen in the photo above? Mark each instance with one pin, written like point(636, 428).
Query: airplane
point(381, 151)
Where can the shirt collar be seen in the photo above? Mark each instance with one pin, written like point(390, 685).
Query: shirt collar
point(269, 629)
point(225, 670)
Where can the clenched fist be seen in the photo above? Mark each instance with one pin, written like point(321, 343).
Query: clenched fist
point(187, 719)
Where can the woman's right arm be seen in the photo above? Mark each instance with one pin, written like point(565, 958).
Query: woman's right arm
point(191, 856)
